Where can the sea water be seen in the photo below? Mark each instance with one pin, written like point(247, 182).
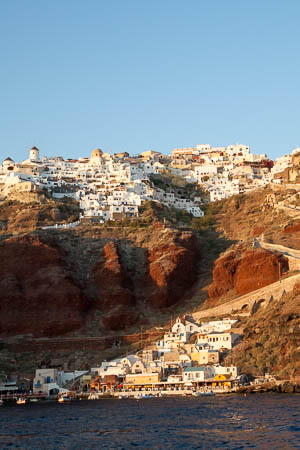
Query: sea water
point(266, 421)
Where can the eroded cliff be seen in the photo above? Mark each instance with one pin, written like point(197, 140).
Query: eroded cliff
point(243, 270)
point(54, 282)
point(37, 292)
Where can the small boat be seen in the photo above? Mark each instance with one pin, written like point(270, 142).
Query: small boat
point(21, 401)
point(123, 396)
point(34, 400)
point(64, 398)
point(147, 396)
point(203, 393)
point(206, 393)
point(93, 396)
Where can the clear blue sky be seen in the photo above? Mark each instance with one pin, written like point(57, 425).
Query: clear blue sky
point(130, 75)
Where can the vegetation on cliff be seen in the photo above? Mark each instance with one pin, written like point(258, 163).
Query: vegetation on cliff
point(36, 211)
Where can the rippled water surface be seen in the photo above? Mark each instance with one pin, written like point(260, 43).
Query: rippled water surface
point(257, 421)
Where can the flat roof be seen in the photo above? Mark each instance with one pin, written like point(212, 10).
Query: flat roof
point(194, 369)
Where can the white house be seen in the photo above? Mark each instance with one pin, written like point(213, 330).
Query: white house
point(217, 325)
point(170, 341)
point(51, 381)
point(231, 371)
point(217, 340)
point(202, 373)
point(184, 329)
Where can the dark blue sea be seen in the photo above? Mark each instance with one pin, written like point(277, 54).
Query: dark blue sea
point(265, 421)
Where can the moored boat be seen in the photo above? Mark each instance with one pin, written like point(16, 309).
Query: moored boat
point(64, 398)
point(147, 396)
point(204, 393)
point(94, 396)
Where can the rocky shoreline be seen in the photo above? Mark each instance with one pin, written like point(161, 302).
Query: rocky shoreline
point(284, 387)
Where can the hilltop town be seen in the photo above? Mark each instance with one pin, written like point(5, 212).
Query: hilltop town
point(111, 187)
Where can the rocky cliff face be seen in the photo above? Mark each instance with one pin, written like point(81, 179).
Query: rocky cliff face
point(95, 280)
point(37, 293)
point(109, 280)
point(53, 283)
point(35, 210)
point(172, 270)
point(293, 228)
point(244, 271)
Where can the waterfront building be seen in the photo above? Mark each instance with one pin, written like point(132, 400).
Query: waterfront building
point(52, 381)
point(142, 378)
point(201, 373)
point(231, 371)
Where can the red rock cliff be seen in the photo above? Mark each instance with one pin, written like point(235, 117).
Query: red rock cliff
point(37, 294)
point(52, 284)
point(246, 271)
point(172, 270)
point(109, 280)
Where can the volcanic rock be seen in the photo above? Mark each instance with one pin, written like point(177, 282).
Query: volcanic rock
point(37, 294)
point(246, 271)
point(110, 281)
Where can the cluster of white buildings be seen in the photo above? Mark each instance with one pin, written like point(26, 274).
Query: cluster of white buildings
point(107, 187)
point(226, 171)
point(188, 352)
point(110, 187)
point(222, 171)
